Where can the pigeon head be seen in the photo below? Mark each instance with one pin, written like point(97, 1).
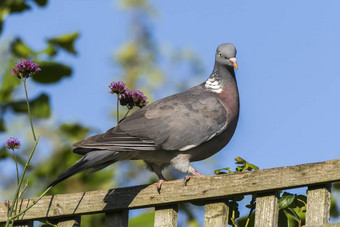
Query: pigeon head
point(226, 55)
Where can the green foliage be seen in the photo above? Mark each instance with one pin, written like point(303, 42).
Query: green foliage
point(2, 126)
point(234, 214)
point(40, 106)
point(8, 84)
point(242, 166)
point(293, 207)
point(145, 220)
point(20, 49)
point(52, 72)
point(15, 6)
point(41, 2)
point(65, 42)
point(73, 131)
point(286, 200)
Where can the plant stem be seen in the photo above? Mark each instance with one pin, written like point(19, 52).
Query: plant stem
point(253, 199)
point(233, 219)
point(20, 181)
point(29, 110)
point(127, 113)
point(117, 109)
point(16, 165)
point(29, 207)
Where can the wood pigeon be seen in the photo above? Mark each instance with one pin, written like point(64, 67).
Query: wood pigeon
point(179, 129)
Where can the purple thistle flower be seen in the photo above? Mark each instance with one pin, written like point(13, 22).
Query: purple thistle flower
point(126, 99)
point(13, 143)
point(133, 98)
point(25, 69)
point(139, 99)
point(117, 87)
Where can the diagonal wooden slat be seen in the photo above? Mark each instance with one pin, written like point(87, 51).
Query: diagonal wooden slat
point(202, 188)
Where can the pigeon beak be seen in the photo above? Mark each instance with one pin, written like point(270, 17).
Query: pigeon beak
point(233, 62)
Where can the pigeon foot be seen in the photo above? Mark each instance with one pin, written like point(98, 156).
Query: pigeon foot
point(159, 185)
point(195, 174)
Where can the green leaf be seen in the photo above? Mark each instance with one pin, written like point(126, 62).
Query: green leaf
point(20, 49)
point(75, 131)
point(40, 106)
point(291, 214)
point(336, 186)
point(286, 200)
point(49, 50)
point(18, 6)
point(4, 11)
point(334, 208)
point(41, 2)
point(219, 171)
point(65, 42)
point(2, 125)
point(240, 160)
point(245, 167)
point(3, 153)
point(253, 166)
point(8, 83)
point(51, 72)
point(238, 197)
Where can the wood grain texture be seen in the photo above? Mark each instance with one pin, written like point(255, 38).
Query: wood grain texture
point(68, 222)
point(318, 205)
point(197, 189)
point(267, 210)
point(166, 216)
point(328, 225)
point(216, 214)
point(117, 219)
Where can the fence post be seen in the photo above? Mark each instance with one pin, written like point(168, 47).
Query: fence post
point(166, 216)
point(68, 222)
point(267, 210)
point(216, 214)
point(318, 205)
point(117, 219)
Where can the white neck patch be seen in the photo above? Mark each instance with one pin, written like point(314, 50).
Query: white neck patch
point(213, 85)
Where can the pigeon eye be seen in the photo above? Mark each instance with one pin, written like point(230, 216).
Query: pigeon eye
point(220, 54)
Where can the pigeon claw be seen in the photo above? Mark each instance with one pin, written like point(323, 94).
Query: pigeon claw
point(159, 185)
point(195, 174)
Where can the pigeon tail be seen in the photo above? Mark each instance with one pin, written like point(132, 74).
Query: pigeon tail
point(76, 168)
point(94, 160)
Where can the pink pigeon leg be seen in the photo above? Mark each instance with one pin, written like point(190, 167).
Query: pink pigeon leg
point(160, 182)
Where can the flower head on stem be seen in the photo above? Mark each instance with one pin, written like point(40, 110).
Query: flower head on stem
point(126, 99)
point(117, 87)
point(13, 143)
point(139, 99)
point(25, 69)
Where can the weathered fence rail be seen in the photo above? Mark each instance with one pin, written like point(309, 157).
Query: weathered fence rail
point(214, 191)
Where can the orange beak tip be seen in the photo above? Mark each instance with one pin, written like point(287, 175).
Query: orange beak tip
point(235, 65)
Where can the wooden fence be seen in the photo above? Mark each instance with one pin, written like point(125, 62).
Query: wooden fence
point(213, 191)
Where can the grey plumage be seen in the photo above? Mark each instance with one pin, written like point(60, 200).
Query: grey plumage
point(176, 130)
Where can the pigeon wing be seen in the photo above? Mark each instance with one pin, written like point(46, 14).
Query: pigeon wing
point(178, 122)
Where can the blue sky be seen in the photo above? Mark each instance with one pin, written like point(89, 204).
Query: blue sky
point(288, 77)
